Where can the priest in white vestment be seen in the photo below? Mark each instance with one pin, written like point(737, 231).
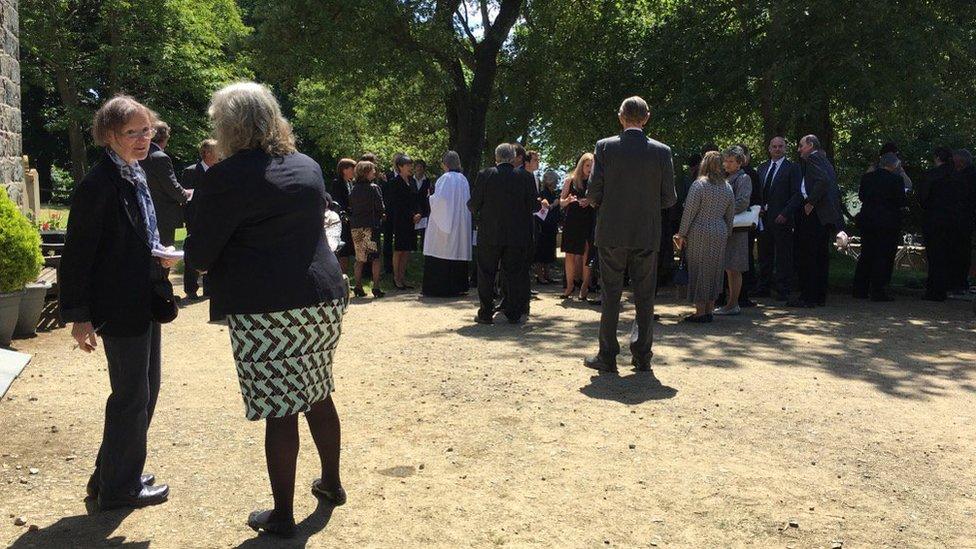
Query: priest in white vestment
point(447, 245)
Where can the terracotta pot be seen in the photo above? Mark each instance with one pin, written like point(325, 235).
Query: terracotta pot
point(31, 307)
point(9, 311)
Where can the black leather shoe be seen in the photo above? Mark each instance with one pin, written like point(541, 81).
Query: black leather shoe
point(597, 363)
point(147, 479)
point(641, 365)
point(332, 497)
point(148, 495)
point(265, 522)
point(482, 320)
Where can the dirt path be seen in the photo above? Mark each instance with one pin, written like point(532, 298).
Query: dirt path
point(857, 422)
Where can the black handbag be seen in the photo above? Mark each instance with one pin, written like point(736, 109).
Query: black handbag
point(163, 303)
point(680, 277)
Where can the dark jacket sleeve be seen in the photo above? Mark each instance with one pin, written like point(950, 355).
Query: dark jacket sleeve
point(817, 182)
point(85, 223)
point(477, 200)
point(161, 169)
point(378, 204)
point(668, 195)
point(594, 190)
point(218, 210)
point(796, 197)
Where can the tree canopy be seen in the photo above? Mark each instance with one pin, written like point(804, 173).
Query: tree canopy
point(421, 76)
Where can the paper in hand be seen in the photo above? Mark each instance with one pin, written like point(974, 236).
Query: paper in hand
point(168, 253)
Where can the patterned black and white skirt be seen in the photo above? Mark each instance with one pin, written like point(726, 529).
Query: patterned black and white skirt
point(284, 359)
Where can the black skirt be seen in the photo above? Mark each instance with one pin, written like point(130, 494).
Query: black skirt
point(444, 277)
point(577, 229)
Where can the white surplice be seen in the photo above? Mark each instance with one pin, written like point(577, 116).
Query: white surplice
point(449, 228)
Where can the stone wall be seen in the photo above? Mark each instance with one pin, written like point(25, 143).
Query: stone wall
point(11, 163)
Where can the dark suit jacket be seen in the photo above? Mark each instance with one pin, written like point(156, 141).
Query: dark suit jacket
point(882, 195)
point(756, 197)
point(340, 195)
point(257, 230)
point(106, 268)
point(167, 193)
point(192, 176)
point(502, 203)
point(779, 198)
point(631, 182)
point(423, 197)
point(820, 181)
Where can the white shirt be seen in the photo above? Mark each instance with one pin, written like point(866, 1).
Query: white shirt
point(803, 187)
point(774, 167)
point(205, 166)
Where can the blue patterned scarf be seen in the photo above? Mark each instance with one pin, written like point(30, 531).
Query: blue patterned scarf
point(133, 173)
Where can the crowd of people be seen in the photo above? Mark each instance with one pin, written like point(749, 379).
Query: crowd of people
point(271, 245)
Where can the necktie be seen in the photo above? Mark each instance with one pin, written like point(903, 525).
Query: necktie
point(769, 180)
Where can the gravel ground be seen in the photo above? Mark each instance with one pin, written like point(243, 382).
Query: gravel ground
point(853, 424)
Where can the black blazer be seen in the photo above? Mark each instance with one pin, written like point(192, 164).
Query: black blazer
point(779, 197)
point(820, 181)
point(167, 193)
point(257, 230)
point(632, 181)
point(423, 197)
point(502, 203)
point(192, 176)
point(106, 268)
point(882, 195)
point(340, 195)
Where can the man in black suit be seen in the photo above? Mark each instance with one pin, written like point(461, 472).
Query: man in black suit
point(502, 203)
point(882, 194)
point(631, 182)
point(778, 182)
point(939, 205)
point(168, 195)
point(192, 179)
point(819, 220)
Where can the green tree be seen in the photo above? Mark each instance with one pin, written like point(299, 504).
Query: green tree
point(170, 55)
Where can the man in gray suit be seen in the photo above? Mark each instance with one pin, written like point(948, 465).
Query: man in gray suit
point(819, 219)
point(631, 182)
point(169, 197)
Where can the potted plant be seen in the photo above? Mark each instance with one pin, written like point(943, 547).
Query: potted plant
point(20, 263)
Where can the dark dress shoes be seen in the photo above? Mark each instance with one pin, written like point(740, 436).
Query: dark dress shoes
point(147, 479)
point(641, 364)
point(332, 497)
point(598, 363)
point(148, 495)
point(483, 320)
point(265, 522)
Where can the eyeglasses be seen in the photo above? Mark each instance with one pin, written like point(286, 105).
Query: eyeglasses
point(136, 134)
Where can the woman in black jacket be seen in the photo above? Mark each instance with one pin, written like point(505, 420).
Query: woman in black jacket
point(108, 280)
point(257, 231)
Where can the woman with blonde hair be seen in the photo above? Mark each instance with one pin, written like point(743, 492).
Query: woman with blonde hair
point(577, 228)
point(704, 232)
point(257, 231)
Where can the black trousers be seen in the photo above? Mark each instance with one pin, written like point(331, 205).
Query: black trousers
point(776, 258)
point(134, 375)
point(960, 257)
point(641, 266)
point(191, 282)
point(388, 246)
point(813, 258)
point(876, 262)
point(515, 262)
point(938, 251)
point(167, 234)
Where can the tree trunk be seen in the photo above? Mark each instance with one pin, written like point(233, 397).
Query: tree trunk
point(76, 137)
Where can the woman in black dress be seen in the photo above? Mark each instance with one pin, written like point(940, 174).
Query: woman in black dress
point(341, 187)
point(545, 251)
point(577, 228)
point(404, 214)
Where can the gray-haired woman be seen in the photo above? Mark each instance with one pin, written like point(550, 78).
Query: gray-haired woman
point(737, 250)
point(257, 231)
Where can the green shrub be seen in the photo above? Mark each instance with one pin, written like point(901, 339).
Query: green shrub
point(20, 247)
